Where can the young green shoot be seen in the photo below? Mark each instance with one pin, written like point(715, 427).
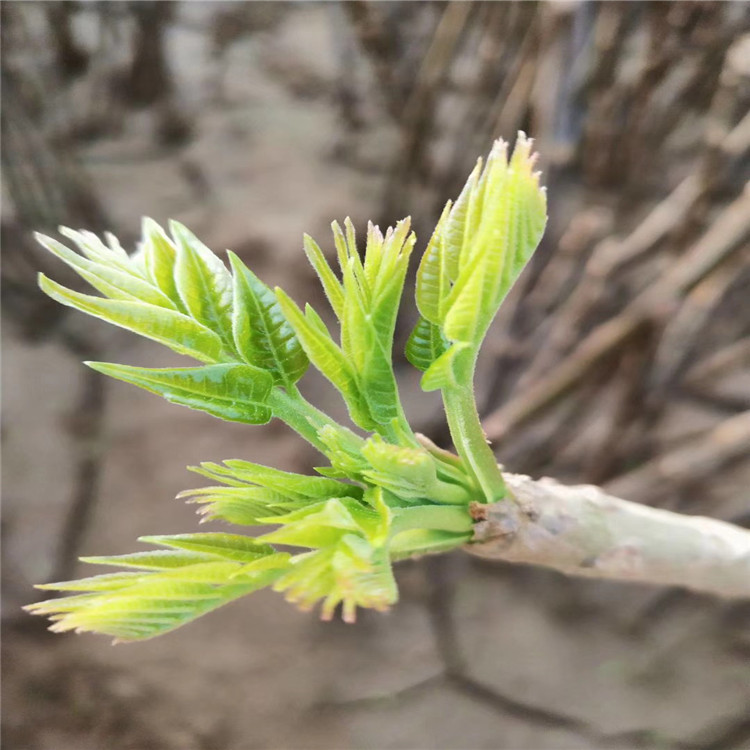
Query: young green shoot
point(385, 493)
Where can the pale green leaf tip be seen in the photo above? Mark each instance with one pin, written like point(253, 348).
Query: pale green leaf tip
point(150, 539)
point(151, 228)
point(102, 367)
point(179, 230)
point(282, 296)
point(45, 283)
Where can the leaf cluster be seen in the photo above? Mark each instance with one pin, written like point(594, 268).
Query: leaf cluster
point(386, 494)
point(478, 249)
point(366, 302)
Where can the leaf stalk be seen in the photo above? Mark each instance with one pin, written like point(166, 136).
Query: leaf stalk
point(470, 441)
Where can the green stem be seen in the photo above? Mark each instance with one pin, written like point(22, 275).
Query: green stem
point(293, 408)
point(470, 441)
point(298, 413)
point(433, 517)
point(451, 494)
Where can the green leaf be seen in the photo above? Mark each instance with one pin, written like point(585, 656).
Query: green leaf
point(450, 370)
point(159, 258)
point(331, 285)
point(426, 343)
point(377, 381)
point(256, 492)
point(110, 280)
point(242, 506)
point(288, 484)
point(277, 562)
point(479, 248)
point(471, 309)
point(161, 559)
point(374, 255)
point(346, 248)
point(346, 460)
point(234, 547)
point(316, 321)
point(369, 353)
point(169, 327)
point(170, 588)
point(372, 294)
point(377, 526)
point(397, 249)
point(378, 386)
point(236, 393)
point(353, 322)
point(405, 471)
point(104, 582)
point(352, 566)
point(344, 577)
point(137, 606)
point(326, 356)
point(262, 334)
point(94, 249)
point(433, 280)
point(461, 223)
point(317, 525)
point(203, 283)
point(322, 523)
point(506, 218)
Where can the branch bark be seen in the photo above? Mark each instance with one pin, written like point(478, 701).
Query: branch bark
point(583, 531)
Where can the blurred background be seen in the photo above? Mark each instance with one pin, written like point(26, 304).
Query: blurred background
point(621, 358)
